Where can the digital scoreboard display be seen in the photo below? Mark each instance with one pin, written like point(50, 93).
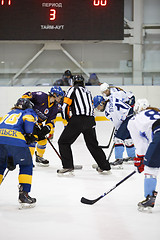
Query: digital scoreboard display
point(61, 19)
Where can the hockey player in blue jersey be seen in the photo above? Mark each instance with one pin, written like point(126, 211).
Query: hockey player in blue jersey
point(46, 107)
point(144, 128)
point(119, 113)
point(16, 138)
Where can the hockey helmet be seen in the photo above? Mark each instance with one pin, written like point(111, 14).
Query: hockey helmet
point(24, 103)
point(56, 90)
point(104, 87)
point(78, 80)
point(140, 105)
point(97, 100)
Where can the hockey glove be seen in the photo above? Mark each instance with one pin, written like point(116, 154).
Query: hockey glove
point(10, 163)
point(36, 130)
point(30, 138)
point(44, 131)
point(131, 101)
point(139, 163)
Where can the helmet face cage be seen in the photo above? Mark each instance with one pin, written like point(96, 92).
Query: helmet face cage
point(57, 91)
point(24, 103)
point(79, 80)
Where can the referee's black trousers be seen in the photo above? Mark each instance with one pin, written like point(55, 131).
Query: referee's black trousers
point(76, 126)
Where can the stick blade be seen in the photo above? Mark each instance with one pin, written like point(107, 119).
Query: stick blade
point(90, 202)
point(87, 201)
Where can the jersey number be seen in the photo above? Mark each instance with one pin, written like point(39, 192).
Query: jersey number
point(11, 119)
point(152, 114)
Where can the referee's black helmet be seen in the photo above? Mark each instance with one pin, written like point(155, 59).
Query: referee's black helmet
point(78, 80)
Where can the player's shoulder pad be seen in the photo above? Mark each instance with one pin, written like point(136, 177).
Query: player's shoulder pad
point(27, 94)
point(40, 93)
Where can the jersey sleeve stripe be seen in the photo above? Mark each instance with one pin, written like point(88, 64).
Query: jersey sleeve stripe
point(68, 101)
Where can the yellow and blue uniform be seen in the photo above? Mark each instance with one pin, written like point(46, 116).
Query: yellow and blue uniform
point(13, 126)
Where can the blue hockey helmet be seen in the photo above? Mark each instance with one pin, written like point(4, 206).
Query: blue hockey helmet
point(23, 103)
point(97, 100)
point(56, 90)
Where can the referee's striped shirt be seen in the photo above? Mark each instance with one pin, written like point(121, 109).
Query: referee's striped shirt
point(78, 100)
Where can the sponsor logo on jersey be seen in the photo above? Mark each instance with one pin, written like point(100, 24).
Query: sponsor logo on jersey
point(46, 111)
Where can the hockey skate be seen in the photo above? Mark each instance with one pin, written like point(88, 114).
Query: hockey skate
point(104, 172)
point(25, 200)
point(41, 161)
point(129, 160)
point(148, 203)
point(118, 163)
point(66, 172)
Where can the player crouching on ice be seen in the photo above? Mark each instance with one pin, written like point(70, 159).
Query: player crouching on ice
point(126, 97)
point(119, 113)
point(16, 139)
point(144, 128)
point(47, 107)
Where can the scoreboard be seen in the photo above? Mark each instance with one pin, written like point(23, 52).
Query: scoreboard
point(61, 19)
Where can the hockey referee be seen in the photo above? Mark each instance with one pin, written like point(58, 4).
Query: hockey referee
point(78, 111)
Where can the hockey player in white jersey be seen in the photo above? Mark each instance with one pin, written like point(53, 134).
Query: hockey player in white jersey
point(117, 92)
point(119, 113)
point(144, 128)
point(126, 97)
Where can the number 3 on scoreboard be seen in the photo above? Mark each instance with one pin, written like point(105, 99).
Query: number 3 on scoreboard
point(52, 14)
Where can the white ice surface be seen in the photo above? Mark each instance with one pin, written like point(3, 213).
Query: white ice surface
point(60, 215)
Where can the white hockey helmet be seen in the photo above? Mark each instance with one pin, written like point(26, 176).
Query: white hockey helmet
point(104, 87)
point(140, 105)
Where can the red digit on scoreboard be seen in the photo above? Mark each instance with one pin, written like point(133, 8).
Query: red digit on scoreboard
point(52, 14)
point(6, 2)
point(101, 3)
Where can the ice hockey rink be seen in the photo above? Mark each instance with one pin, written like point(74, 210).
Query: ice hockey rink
point(60, 215)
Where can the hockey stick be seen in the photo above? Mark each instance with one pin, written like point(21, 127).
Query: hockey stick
point(75, 166)
point(109, 140)
point(5, 176)
point(91, 202)
point(111, 152)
